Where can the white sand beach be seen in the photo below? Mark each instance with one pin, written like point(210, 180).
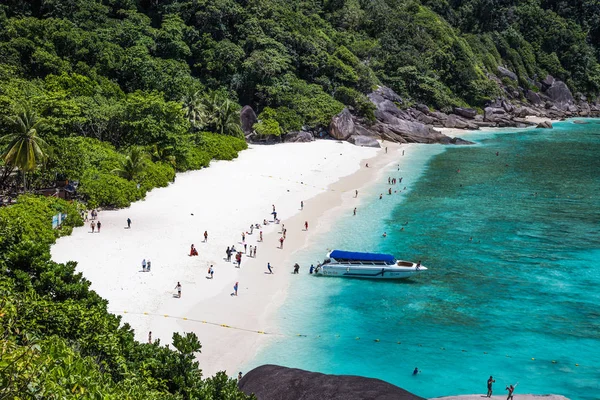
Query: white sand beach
point(223, 200)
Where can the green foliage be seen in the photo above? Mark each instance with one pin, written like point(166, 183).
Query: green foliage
point(358, 101)
point(134, 164)
point(267, 124)
point(24, 148)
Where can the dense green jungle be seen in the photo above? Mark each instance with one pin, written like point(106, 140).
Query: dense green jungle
point(116, 96)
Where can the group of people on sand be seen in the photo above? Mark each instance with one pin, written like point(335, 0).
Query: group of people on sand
point(93, 214)
point(146, 265)
point(95, 225)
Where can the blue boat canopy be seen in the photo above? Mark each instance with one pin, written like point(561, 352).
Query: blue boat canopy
point(340, 255)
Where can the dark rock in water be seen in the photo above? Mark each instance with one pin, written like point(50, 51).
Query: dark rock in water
point(460, 142)
point(507, 73)
point(545, 125)
point(271, 382)
point(465, 112)
point(248, 119)
point(298, 137)
point(580, 122)
point(364, 141)
point(342, 125)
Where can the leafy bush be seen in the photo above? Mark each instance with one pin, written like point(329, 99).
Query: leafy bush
point(109, 190)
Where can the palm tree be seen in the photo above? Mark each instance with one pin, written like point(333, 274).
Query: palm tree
point(220, 115)
point(133, 165)
point(195, 110)
point(227, 119)
point(25, 149)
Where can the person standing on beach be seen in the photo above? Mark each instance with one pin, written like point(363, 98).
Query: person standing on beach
point(240, 376)
point(99, 225)
point(178, 287)
point(355, 193)
point(510, 389)
point(211, 271)
point(148, 265)
point(93, 226)
point(228, 254)
point(150, 337)
point(246, 247)
point(235, 289)
point(269, 268)
point(386, 150)
point(354, 210)
point(489, 386)
point(260, 236)
point(243, 237)
point(239, 259)
point(281, 242)
point(128, 223)
point(205, 236)
point(302, 205)
point(144, 265)
point(254, 252)
point(305, 225)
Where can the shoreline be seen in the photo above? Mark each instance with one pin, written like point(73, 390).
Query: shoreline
point(223, 199)
point(271, 291)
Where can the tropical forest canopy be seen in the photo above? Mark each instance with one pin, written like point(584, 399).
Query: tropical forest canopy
point(120, 94)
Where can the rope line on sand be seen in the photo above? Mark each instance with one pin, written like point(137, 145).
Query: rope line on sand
point(355, 339)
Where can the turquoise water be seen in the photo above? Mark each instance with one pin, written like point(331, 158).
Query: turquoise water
point(526, 286)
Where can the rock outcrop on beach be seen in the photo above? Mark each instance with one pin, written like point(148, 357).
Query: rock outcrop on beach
point(503, 397)
point(272, 382)
point(417, 124)
point(392, 123)
point(248, 118)
point(551, 100)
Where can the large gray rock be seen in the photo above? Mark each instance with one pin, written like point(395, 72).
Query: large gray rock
point(454, 121)
point(388, 94)
point(465, 112)
point(342, 125)
point(299, 137)
point(248, 119)
point(560, 94)
point(507, 73)
point(533, 97)
point(271, 382)
point(545, 125)
point(492, 114)
point(547, 82)
point(364, 141)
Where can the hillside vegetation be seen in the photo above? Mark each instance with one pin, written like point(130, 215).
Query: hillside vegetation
point(121, 94)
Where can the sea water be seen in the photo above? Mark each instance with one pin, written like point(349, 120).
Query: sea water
point(510, 231)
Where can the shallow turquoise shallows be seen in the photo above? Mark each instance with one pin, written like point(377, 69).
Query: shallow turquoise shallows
point(513, 290)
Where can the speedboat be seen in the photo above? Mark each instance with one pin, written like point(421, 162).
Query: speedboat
point(351, 264)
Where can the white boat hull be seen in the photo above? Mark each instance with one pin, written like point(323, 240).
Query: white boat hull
point(369, 271)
